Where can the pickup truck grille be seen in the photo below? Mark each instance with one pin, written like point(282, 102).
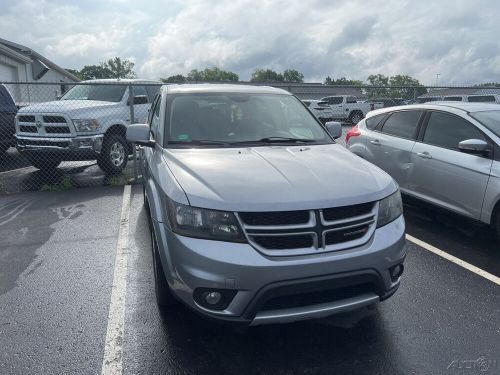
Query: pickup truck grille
point(41, 125)
point(303, 232)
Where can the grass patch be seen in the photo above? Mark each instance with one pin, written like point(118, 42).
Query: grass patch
point(64, 184)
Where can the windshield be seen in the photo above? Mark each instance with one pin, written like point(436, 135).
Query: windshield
point(490, 119)
point(226, 119)
point(105, 93)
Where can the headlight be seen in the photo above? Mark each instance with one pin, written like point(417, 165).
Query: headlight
point(86, 125)
point(202, 223)
point(389, 209)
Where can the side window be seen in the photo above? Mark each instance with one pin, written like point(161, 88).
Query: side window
point(453, 98)
point(482, 98)
point(372, 122)
point(446, 130)
point(336, 100)
point(402, 124)
point(155, 118)
point(351, 99)
point(141, 90)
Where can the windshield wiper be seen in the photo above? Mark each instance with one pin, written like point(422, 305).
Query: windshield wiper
point(279, 140)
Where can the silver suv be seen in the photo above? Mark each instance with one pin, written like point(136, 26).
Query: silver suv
point(447, 154)
point(257, 215)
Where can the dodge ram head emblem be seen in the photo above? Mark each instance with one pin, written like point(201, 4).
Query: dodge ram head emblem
point(38, 124)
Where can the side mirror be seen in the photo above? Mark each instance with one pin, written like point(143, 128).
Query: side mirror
point(140, 99)
point(334, 128)
point(473, 146)
point(139, 134)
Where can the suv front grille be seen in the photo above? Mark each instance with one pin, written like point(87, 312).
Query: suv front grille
point(302, 232)
point(26, 118)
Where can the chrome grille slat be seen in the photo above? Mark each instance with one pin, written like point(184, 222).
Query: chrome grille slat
point(326, 235)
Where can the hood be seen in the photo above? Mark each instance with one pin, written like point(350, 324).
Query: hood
point(66, 106)
point(277, 178)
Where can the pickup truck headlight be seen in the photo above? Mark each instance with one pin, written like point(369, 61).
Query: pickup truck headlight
point(389, 209)
point(203, 223)
point(86, 125)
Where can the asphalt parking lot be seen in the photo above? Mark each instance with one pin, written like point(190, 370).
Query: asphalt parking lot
point(57, 266)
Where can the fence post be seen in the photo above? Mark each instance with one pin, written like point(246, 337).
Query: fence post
point(132, 120)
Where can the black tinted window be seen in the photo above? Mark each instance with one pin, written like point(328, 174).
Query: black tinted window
point(447, 130)
point(453, 98)
point(333, 100)
point(372, 122)
point(402, 124)
point(351, 99)
point(482, 98)
point(140, 91)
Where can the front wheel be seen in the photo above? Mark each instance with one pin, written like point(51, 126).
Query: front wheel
point(164, 297)
point(114, 156)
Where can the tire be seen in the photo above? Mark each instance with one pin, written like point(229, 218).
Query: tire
point(497, 224)
point(356, 117)
point(164, 297)
point(114, 154)
point(44, 162)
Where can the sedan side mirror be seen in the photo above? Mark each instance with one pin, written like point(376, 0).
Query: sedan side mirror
point(140, 134)
point(334, 128)
point(473, 146)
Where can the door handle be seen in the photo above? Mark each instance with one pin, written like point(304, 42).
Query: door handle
point(376, 142)
point(424, 155)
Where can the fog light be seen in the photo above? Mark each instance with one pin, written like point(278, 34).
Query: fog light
point(396, 271)
point(213, 298)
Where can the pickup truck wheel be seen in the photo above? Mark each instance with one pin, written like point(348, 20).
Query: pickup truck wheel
point(164, 297)
point(113, 157)
point(356, 117)
point(44, 162)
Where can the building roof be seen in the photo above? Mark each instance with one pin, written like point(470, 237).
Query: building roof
point(461, 91)
point(463, 106)
point(27, 52)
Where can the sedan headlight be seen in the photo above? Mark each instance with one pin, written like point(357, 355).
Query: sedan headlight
point(389, 209)
point(86, 125)
point(203, 223)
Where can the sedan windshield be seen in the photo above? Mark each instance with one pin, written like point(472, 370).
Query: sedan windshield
point(228, 119)
point(490, 119)
point(105, 93)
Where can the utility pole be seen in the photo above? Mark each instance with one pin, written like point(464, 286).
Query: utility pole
point(437, 77)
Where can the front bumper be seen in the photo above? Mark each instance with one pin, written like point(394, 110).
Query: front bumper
point(266, 286)
point(65, 145)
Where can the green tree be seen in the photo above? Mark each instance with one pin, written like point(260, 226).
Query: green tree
point(292, 75)
point(95, 72)
point(381, 82)
point(415, 89)
point(178, 78)
point(342, 81)
point(75, 72)
point(212, 75)
point(120, 68)
point(266, 75)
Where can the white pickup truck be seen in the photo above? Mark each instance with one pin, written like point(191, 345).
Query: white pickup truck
point(347, 108)
point(88, 123)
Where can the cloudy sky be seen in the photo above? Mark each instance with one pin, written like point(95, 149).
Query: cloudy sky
point(457, 39)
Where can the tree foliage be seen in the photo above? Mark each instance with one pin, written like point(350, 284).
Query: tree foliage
point(212, 75)
point(266, 75)
point(393, 87)
point(342, 81)
point(293, 75)
point(113, 68)
point(178, 78)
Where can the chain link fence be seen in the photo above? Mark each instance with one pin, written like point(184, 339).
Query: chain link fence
point(57, 136)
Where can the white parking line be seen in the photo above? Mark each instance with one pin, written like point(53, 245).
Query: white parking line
point(451, 258)
point(113, 349)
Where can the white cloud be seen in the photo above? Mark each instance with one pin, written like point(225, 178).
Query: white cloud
point(341, 38)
